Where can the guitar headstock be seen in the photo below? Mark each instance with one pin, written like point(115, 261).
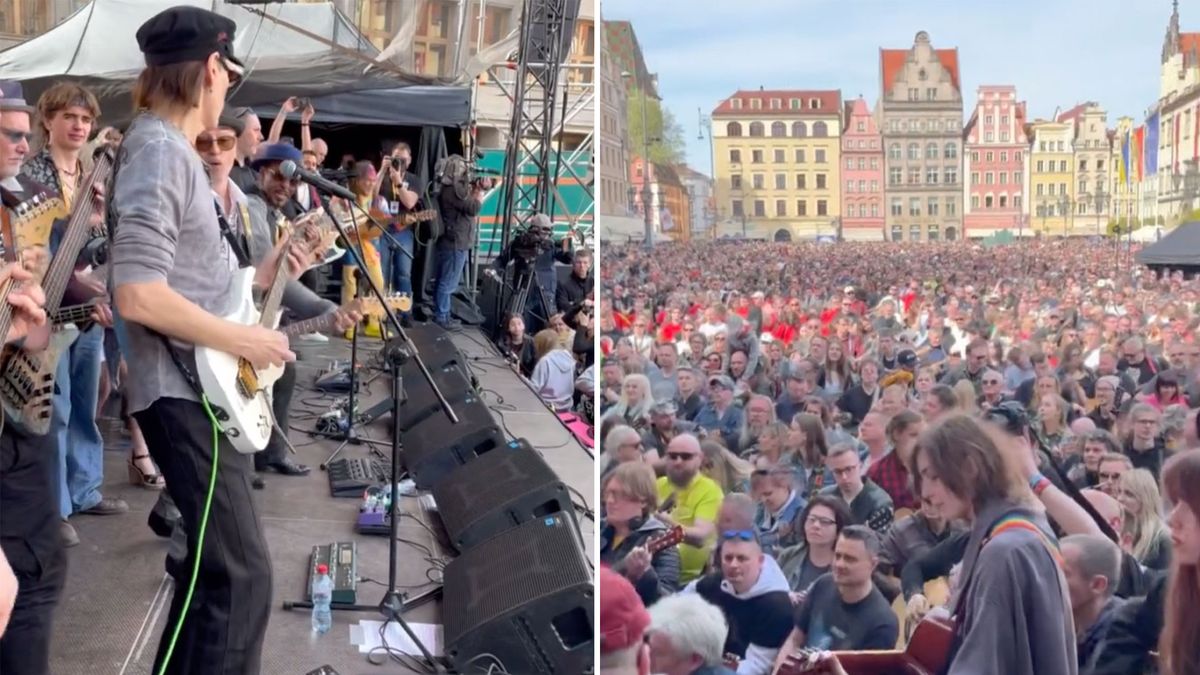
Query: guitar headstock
point(26, 233)
point(399, 302)
point(666, 540)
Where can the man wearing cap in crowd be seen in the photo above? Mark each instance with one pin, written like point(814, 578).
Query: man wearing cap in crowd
point(664, 426)
point(173, 274)
point(31, 550)
point(623, 622)
point(271, 206)
point(719, 413)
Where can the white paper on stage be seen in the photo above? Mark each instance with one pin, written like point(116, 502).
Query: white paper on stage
point(365, 635)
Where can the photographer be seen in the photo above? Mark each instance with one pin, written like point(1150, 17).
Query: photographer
point(459, 199)
point(535, 247)
point(402, 191)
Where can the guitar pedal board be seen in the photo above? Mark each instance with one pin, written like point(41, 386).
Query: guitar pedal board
point(342, 559)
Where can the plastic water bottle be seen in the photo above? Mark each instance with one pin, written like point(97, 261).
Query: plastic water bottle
point(322, 595)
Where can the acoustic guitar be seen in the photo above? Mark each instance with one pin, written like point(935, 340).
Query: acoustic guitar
point(927, 654)
point(655, 544)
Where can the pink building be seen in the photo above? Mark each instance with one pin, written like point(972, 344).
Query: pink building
point(996, 160)
point(862, 174)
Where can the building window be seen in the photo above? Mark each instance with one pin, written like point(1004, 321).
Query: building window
point(1040, 167)
point(1062, 188)
point(874, 161)
point(1003, 201)
point(931, 151)
point(819, 154)
point(1082, 186)
point(760, 208)
point(820, 181)
point(801, 183)
point(987, 202)
point(822, 207)
point(801, 207)
point(974, 202)
point(733, 129)
point(1062, 146)
point(895, 175)
point(897, 206)
point(849, 186)
point(799, 129)
point(780, 181)
point(862, 163)
point(756, 156)
point(975, 157)
point(951, 151)
point(1003, 177)
point(861, 126)
point(988, 156)
point(914, 151)
point(931, 176)
point(1083, 165)
point(987, 178)
point(758, 180)
point(735, 156)
point(1041, 211)
point(914, 94)
point(897, 233)
point(780, 208)
point(933, 206)
point(951, 174)
point(1083, 208)
point(1017, 156)
point(1004, 136)
point(933, 233)
point(778, 128)
point(800, 156)
point(989, 137)
point(756, 104)
point(920, 124)
point(974, 178)
point(795, 104)
point(988, 120)
point(1003, 155)
point(951, 207)
point(820, 130)
point(914, 232)
point(756, 129)
point(914, 206)
point(874, 209)
point(1017, 177)
point(931, 94)
point(780, 156)
point(1004, 120)
point(862, 186)
point(1062, 166)
point(874, 186)
point(850, 163)
point(1039, 191)
point(1099, 165)
point(735, 181)
point(1016, 202)
point(894, 151)
point(776, 104)
point(914, 175)
point(735, 207)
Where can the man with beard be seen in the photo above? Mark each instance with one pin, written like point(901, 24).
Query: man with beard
point(759, 413)
point(977, 361)
point(719, 414)
point(689, 498)
point(1137, 363)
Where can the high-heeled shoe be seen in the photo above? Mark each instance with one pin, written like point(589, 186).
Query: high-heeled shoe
point(150, 481)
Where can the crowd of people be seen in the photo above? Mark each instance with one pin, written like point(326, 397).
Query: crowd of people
point(812, 449)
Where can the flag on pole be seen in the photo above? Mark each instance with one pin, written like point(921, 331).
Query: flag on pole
point(1139, 136)
point(1151, 151)
point(1124, 168)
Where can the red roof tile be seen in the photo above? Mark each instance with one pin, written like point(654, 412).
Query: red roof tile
point(1074, 113)
point(893, 60)
point(830, 102)
point(1189, 42)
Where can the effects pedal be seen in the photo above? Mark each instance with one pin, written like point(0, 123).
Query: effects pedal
point(341, 557)
point(374, 514)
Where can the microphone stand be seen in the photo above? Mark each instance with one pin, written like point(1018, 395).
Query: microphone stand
point(392, 605)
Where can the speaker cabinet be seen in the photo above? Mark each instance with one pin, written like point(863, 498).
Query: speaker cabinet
point(435, 445)
point(421, 402)
point(497, 492)
point(522, 602)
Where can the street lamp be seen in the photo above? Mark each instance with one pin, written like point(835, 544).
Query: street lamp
point(645, 165)
point(1064, 205)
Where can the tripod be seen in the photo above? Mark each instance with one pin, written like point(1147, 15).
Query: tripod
point(350, 435)
point(392, 605)
point(524, 282)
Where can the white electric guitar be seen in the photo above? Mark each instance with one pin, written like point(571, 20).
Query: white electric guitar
point(240, 393)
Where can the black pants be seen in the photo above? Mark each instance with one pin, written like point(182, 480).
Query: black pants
point(224, 628)
point(277, 449)
point(29, 535)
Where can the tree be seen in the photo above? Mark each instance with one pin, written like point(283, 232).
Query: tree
point(666, 136)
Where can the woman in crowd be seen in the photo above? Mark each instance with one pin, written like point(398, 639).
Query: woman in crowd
point(516, 345)
point(630, 500)
point(636, 401)
point(808, 444)
point(1181, 626)
point(836, 375)
point(730, 472)
point(823, 519)
point(1051, 422)
point(1139, 495)
point(554, 375)
point(1166, 391)
point(891, 472)
point(769, 451)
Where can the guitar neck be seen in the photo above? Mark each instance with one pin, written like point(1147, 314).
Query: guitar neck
point(73, 313)
point(317, 324)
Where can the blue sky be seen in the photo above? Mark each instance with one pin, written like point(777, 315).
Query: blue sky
point(1056, 52)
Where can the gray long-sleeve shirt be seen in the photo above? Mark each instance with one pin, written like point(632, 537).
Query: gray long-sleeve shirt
point(1013, 612)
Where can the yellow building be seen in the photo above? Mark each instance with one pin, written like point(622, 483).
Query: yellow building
point(1124, 193)
point(1051, 177)
point(778, 164)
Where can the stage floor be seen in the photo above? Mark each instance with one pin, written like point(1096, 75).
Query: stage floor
point(114, 606)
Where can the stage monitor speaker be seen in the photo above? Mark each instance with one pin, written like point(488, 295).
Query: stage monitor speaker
point(435, 446)
point(421, 403)
point(522, 602)
point(498, 492)
point(437, 350)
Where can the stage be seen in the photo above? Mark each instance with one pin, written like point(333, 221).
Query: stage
point(114, 606)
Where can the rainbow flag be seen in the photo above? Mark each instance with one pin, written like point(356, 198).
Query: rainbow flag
point(1123, 170)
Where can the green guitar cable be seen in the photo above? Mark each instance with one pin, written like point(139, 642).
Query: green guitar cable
point(212, 484)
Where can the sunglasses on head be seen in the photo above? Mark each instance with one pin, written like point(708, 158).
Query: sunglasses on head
point(742, 535)
point(223, 143)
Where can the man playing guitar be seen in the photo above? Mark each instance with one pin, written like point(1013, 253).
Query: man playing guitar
point(173, 272)
point(402, 190)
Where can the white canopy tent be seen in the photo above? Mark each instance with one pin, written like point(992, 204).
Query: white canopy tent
point(1148, 234)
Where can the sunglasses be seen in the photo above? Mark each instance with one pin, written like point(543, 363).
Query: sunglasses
point(680, 456)
point(17, 136)
point(224, 143)
point(743, 535)
point(1109, 476)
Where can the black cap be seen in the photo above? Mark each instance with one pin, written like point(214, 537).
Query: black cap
point(183, 34)
point(230, 120)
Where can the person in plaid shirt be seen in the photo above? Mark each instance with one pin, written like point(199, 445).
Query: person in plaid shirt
point(891, 472)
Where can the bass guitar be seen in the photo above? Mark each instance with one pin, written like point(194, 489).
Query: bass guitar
point(240, 393)
point(79, 315)
point(27, 379)
point(366, 306)
point(927, 653)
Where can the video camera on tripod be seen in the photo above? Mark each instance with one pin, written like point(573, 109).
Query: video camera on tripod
point(456, 171)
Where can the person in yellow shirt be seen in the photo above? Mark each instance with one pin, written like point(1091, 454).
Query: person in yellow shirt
point(691, 499)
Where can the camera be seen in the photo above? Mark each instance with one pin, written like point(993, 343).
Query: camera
point(531, 242)
point(398, 164)
point(302, 103)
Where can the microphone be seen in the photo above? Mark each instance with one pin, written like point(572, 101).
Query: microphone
point(291, 171)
